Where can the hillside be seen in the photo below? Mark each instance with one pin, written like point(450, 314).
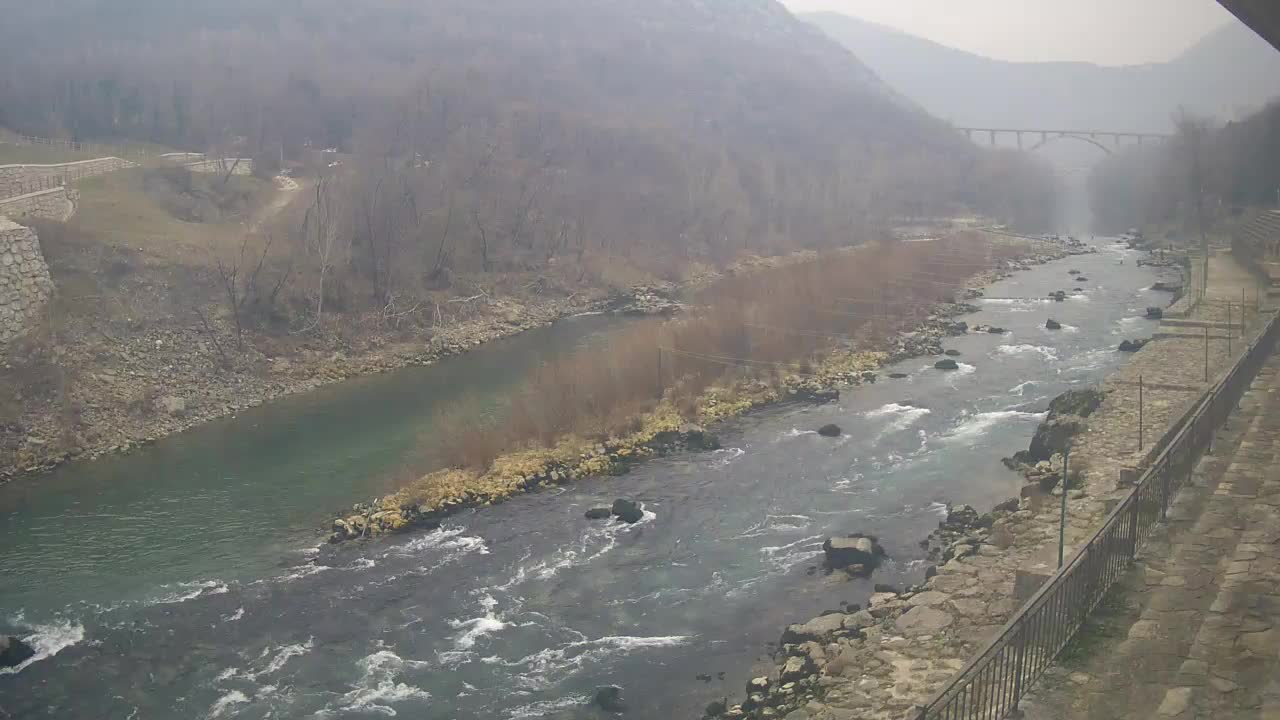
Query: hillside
point(1230, 71)
point(461, 171)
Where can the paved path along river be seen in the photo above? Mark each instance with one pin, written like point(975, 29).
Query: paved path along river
point(1191, 632)
point(176, 582)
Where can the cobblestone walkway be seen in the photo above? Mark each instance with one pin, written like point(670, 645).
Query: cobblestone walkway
point(1191, 631)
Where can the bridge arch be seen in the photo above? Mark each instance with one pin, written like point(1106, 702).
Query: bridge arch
point(1082, 138)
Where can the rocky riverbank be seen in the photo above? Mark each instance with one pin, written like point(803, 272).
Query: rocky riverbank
point(84, 399)
point(885, 661)
point(435, 496)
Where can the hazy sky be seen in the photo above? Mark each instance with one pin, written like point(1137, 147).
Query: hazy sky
point(1109, 32)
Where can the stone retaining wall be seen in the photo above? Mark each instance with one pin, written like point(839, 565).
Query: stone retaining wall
point(24, 279)
point(55, 204)
point(23, 179)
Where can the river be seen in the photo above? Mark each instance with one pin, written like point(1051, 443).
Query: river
point(186, 579)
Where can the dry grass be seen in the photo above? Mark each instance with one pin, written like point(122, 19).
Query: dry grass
point(116, 211)
point(764, 327)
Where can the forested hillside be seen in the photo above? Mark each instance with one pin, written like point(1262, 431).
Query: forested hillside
point(521, 129)
point(1233, 167)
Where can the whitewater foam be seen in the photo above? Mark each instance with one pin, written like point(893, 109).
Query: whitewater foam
point(48, 640)
point(979, 424)
point(184, 591)
point(284, 654)
point(1047, 352)
point(1021, 388)
point(224, 703)
point(476, 628)
point(903, 415)
point(238, 614)
point(379, 687)
point(546, 707)
point(725, 456)
point(548, 666)
point(597, 540)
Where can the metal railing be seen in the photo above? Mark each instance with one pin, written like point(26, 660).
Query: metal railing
point(992, 683)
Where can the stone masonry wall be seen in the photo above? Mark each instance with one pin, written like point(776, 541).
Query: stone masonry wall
point(55, 204)
point(23, 179)
point(24, 279)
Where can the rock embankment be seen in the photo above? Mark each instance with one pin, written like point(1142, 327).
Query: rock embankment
point(878, 662)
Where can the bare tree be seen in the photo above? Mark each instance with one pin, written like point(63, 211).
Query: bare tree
point(325, 235)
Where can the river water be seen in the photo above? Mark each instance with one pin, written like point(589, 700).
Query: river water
point(186, 580)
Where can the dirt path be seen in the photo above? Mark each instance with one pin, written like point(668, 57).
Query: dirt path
point(287, 189)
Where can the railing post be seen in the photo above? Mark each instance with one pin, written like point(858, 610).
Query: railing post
point(1020, 665)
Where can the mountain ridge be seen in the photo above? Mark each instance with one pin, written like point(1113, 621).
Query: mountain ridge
point(1225, 73)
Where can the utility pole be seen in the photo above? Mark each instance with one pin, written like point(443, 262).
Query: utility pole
point(1062, 522)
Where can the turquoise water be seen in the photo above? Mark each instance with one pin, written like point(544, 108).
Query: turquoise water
point(187, 577)
point(237, 497)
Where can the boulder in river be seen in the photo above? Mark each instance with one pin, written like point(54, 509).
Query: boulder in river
point(716, 708)
point(600, 513)
point(1082, 402)
point(1155, 313)
point(628, 511)
point(1052, 324)
point(947, 364)
point(961, 517)
point(898, 376)
point(609, 699)
point(1073, 272)
point(856, 549)
point(14, 652)
point(1132, 346)
point(1082, 278)
point(951, 353)
point(1162, 286)
point(1053, 436)
point(830, 430)
point(697, 438)
point(996, 330)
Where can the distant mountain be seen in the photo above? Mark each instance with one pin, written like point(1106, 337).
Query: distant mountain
point(1229, 72)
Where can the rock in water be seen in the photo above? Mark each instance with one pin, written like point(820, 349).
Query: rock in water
point(898, 376)
point(609, 699)
point(716, 708)
point(598, 513)
point(962, 517)
point(831, 430)
point(628, 511)
point(1053, 436)
point(947, 364)
point(1132, 346)
point(1155, 313)
point(951, 353)
point(856, 549)
point(996, 330)
point(1052, 324)
point(13, 651)
point(1077, 402)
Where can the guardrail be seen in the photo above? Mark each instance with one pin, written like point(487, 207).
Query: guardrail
point(992, 683)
